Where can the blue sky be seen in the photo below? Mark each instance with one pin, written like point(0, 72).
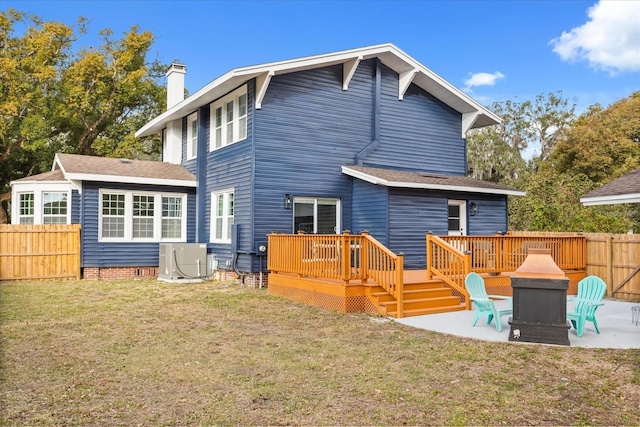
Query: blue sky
point(494, 50)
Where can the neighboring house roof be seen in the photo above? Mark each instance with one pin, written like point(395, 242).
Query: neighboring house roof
point(68, 167)
point(625, 189)
point(474, 115)
point(430, 181)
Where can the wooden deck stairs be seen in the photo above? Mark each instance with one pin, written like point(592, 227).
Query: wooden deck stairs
point(421, 296)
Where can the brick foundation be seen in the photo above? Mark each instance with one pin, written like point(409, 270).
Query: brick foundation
point(248, 279)
point(119, 273)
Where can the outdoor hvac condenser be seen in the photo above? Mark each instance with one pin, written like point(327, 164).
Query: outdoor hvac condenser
point(182, 261)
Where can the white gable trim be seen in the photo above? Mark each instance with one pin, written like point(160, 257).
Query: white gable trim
point(394, 58)
point(349, 69)
point(397, 184)
point(262, 83)
point(468, 120)
point(404, 81)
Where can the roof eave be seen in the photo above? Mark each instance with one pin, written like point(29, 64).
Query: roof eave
point(130, 180)
point(610, 200)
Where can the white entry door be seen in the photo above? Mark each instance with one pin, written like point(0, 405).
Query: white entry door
point(457, 218)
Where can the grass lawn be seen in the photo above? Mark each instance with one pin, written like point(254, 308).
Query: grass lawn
point(152, 353)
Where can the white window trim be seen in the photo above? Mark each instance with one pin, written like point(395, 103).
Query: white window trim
point(222, 103)
point(38, 208)
point(225, 218)
point(192, 149)
point(128, 217)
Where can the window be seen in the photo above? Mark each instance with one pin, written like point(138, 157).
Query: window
point(229, 119)
point(142, 216)
point(25, 212)
point(171, 217)
point(317, 216)
point(222, 216)
point(112, 215)
point(192, 136)
point(54, 208)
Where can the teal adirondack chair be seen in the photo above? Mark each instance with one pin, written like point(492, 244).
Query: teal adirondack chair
point(483, 302)
point(591, 290)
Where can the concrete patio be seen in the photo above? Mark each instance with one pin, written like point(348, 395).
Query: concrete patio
point(614, 320)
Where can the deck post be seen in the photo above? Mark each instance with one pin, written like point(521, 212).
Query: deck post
point(400, 286)
point(364, 257)
point(466, 271)
point(346, 257)
point(428, 258)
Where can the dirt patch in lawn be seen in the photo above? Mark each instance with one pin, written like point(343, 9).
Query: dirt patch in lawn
point(154, 353)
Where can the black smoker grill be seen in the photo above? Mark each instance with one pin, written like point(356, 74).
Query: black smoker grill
point(539, 301)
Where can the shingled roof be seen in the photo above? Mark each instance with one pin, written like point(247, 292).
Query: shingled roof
point(625, 189)
point(67, 167)
point(52, 176)
point(92, 168)
point(431, 181)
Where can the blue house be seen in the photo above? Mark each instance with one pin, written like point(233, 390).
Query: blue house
point(363, 139)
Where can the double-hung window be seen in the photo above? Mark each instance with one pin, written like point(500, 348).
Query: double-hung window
point(113, 215)
point(26, 208)
point(54, 208)
point(192, 136)
point(222, 216)
point(142, 216)
point(172, 217)
point(229, 119)
point(143, 212)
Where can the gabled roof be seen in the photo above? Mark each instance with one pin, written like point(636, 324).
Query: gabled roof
point(427, 181)
point(92, 168)
point(409, 71)
point(625, 189)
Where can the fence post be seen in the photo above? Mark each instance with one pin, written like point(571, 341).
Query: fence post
point(610, 265)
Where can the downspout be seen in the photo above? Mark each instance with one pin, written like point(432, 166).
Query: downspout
point(201, 174)
point(362, 155)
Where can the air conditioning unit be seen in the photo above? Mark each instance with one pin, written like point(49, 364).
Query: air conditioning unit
point(182, 261)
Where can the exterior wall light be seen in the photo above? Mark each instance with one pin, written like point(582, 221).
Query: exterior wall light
point(473, 209)
point(288, 201)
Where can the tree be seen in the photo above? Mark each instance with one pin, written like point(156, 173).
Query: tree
point(504, 153)
point(603, 144)
point(57, 99)
point(553, 203)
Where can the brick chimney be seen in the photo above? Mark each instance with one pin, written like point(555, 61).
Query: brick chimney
point(175, 84)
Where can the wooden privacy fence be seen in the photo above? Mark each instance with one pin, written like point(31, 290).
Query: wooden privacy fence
point(37, 252)
point(615, 258)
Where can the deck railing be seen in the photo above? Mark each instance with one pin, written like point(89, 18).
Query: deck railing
point(447, 262)
point(499, 254)
point(338, 256)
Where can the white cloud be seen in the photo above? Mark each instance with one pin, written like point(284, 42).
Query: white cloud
point(482, 79)
point(609, 41)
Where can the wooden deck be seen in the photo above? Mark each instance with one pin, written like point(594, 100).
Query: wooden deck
point(420, 296)
point(354, 273)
